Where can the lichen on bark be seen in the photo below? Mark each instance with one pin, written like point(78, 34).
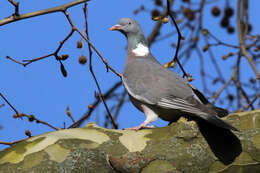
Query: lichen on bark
point(182, 147)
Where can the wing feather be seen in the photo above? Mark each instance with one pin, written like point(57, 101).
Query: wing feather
point(182, 105)
point(192, 106)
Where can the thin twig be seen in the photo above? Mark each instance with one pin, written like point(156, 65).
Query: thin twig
point(93, 47)
point(12, 143)
point(202, 5)
point(15, 110)
point(241, 36)
point(60, 8)
point(238, 79)
point(202, 72)
point(120, 104)
point(214, 62)
point(219, 42)
point(215, 97)
point(45, 123)
point(21, 115)
point(69, 114)
point(92, 72)
point(239, 87)
point(32, 118)
point(29, 61)
point(227, 83)
point(151, 38)
point(16, 6)
point(55, 53)
point(180, 37)
point(252, 101)
point(10, 58)
point(95, 104)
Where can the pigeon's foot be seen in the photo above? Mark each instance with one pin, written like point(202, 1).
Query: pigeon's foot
point(141, 126)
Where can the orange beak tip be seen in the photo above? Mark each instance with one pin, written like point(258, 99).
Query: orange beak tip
point(115, 27)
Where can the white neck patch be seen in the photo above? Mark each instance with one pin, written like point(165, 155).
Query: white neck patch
point(141, 50)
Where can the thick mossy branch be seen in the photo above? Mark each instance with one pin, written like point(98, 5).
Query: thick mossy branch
point(183, 147)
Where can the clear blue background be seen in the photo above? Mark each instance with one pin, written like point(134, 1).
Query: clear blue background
point(40, 89)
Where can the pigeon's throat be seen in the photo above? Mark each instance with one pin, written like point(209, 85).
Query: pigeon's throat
point(141, 50)
point(138, 46)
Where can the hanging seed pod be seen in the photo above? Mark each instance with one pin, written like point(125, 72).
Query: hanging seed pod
point(82, 59)
point(79, 44)
point(63, 70)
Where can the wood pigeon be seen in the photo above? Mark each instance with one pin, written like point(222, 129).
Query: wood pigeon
point(158, 91)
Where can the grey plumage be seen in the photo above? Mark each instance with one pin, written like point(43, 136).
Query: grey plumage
point(158, 91)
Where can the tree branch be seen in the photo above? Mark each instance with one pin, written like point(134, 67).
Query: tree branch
point(61, 8)
point(16, 7)
point(91, 68)
point(11, 143)
point(241, 35)
point(252, 101)
point(95, 104)
point(180, 37)
point(30, 117)
point(215, 96)
point(93, 47)
point(15, 110)
point(55, 53)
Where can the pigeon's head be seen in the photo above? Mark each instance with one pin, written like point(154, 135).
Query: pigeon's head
point(127, 26)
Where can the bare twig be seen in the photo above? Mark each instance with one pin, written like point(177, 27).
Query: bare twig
point(215, 97)
point(120, 104)
point(202, 5)
point(252, 101)
point(32, 118)
point(151, 38)
point(180, 37)
point(35, 59)
point(15, 110)
point(91, 45)
point(241, 35)
point(55, 53)
point(92, 72)
point(95, 104)
point(69, 114)
point(154, 33)
point(61, 8)
point(202, 72)
point(219, 42)
point(16, 6)
point(214, 62)
point(239, 87)
point(45, 123)
point(12, 143)
point(117, 107)
point(227, 83)
point(28, 116)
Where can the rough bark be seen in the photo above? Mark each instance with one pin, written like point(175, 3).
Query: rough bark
point(183, 147)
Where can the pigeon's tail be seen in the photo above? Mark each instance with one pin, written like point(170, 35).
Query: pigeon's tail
point(220, 123)
point(220, 112)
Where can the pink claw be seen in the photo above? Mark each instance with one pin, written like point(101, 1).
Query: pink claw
point(141, 126)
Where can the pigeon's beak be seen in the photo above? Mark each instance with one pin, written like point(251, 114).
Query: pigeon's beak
point(115, 27)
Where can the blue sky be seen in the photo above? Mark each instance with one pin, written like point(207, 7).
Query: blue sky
point(40, 89)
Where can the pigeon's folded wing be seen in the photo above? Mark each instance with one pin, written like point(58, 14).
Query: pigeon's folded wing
point(191, 106)
point(182, 105)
